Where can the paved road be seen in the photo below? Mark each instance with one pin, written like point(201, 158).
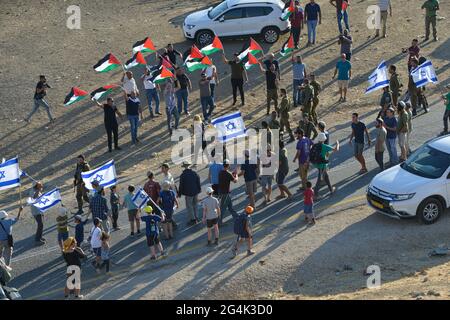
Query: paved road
point(39, 272)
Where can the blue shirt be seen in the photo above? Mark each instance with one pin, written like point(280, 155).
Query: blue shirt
point(128, 200)
point(151, 224)
point(298, 70)
point(391, 123)
point(312, 11)
point(249, 171)
point(167, 200)
point(344, 68)
point(7, 225)
point(79, 232)
point(214, 169)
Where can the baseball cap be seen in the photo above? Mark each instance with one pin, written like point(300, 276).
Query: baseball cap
point(209, 190)
point(322, 137)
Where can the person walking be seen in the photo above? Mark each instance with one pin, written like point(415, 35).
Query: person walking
point(168, 201)
point(133, 211)
point(297, 23)
point(211, 73)
point(114, 199)
point(344, 71)
point(39, 95)
point(183, 85)
point(285, 108)
point(319, 155)
point(106, 252)
point(151, 90)
point(446, 116)
point(384, 6)
point(111, 125)
point(308, 128)
point(6, 237)
point(390, 124)
point(225, 179)
point(213, 176)
point(283, 170)
point(243, 224)
point(206, 99)
point(341, 13)
point(133, 111)
point(153, 189)
point(35, 194)
point(394, 84)
point(402, 130)
point(346, 42)
point(358, 130)
point(308, 204)
point(431, 7)
point(99, 209)
point(211, 214)
point(267, 172)
point(81, 192)
point(73, 254)
point(379, 143)
point(152, 232)
point(171, 107)
point(238, 77)
point(250, 170)
point(307, 98)
point(313, 16)
point(322, 128)
point(190, 188)
point(298, 74)
point(315, 101)
point(302, 155)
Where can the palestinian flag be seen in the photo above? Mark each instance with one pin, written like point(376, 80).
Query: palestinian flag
point(287, 13)
point(138, 59)
point(162, 75)
point(216, 46)
point(108, 63)
point(102, 92)
point(75, 95)
point(194, 64)
point(251, 61)
point(194, 54)
point(288, 47)
point(144, 46)
point(254, 48)
point(166, 63)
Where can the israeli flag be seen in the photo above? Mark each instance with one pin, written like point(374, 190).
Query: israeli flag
point(9, 174)
point(141, 198)
point(46, 201)
point(105, 175)
point(379, 78)
point(230, 126)
point(424, 74)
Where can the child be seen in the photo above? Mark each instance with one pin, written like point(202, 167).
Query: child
point(152, 231)
point(168, 200)
point(115, 200)
point(308, 202)
point(72, 255)
point(211, 214)
point(133, 210)
point(105, 251)
point(79, 229)
point(245, 231)
point(96, 242)
point(62, 226)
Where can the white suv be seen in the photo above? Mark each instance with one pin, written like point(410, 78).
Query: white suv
point(418, 187)
point(234, 18)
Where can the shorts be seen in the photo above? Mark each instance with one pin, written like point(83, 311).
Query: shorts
point(343, 84)
point(211, 223)
point(97, 251)
point(63, 236)
point(133, 215)
point(281, 176)
point(358, 149)
point(251, 187)
point(168, 218)
point(308, 208)
point(402, 139)
point(152, 240)
point(266, 181)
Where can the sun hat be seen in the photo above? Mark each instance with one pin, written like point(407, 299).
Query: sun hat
point(322, 137)
point(3, 215)
point(186, 164)
point(209, 190)
point(249, 210)
point(148, 209)
point(62, 212)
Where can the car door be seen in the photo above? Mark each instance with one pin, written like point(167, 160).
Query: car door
point(447, 182)
point(229, 23)
point(255, 19)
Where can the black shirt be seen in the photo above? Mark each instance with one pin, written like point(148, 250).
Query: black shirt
point(73, 258)
point(359, 129)
point(110, 114)
point(237, 69)
point(133, 107)
point(172, 55)
point(271, 80)
point(41, 85)
point(225, 178)
point(182, 81)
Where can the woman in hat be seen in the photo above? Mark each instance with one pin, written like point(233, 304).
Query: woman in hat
point(73, 255)
point(211, 214)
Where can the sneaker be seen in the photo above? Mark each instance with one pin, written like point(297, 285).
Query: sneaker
point(216, 241)
point(250, 252)
point(138, 232)
point(159, 113)
point(40, 243)
point(132, 235)
point(436, 39)
point(66, 297)
point(80, 297)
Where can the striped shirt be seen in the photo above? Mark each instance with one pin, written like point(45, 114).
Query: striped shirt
point(384, 4)
point(61, 223)
point(99, 207)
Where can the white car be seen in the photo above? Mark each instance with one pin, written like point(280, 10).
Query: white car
point(418, 187)
point(234, 18)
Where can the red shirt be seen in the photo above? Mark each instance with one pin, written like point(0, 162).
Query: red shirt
point(296, 18)
point(413, 53)
point(308, 196)
point(152, 188)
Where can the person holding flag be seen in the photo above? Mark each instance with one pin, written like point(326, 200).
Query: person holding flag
point(446, 117)
point(211, 73)
point(238, 76)
point(341, 13)
point(6, 239)
point(129, 84)
point(297, 23)
point(78, 183)
point(38, 215)
point(111, 124)
point(272, 84)
point(151, 90)
point(184, 86)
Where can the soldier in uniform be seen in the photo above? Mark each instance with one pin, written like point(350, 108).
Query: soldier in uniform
point(308, 127)
point(274, 124)
point(317, 88)
point(394, 85)
point(412, 88)
point(285, 107)
point(308, 94)
point(78, 184)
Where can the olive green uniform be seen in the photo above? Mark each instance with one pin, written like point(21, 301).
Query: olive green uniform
point(285, 107)
point(315, 103)
point(308, 129)
point(308, 95)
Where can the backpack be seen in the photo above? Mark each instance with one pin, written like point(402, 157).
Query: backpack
point(315, 154)
point(239, 224)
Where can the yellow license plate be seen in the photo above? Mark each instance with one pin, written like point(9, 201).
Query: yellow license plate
point(376, 204)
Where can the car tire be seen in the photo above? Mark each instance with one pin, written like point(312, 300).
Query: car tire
point(430, 210)
point(204, 38)
point(270, 34)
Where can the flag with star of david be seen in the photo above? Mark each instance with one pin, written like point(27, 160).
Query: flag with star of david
point(9, 174)
point(141, 198)
point(230, 126)
point(105, 175)
point(46, 201)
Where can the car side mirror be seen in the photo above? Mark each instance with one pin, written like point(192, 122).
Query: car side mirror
point(222, 19)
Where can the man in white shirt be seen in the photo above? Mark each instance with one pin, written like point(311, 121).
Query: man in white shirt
point(211, 73)
point(96, 242)
point(151, 89)
point(129, 84)
point(384, 6)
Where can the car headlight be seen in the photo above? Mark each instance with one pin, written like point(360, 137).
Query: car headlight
point(401, 197)
point(190, 26)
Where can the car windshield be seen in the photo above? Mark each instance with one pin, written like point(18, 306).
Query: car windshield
point(215, 12)
point(427, 162)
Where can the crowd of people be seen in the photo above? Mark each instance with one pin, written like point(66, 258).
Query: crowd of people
point(313, 149)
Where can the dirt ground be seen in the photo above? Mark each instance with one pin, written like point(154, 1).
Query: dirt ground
point(34, 40)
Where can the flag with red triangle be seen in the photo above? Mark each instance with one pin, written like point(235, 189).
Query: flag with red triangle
point(144, 46)
point(251, 61)
point(254, 48)
point(288, 11)
point(75, 95)
point(138, 59)
point(108, 63)
point(214, 47)
point(195, 64)
point(162, 75)
point(101, 92)
point(288, 46)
